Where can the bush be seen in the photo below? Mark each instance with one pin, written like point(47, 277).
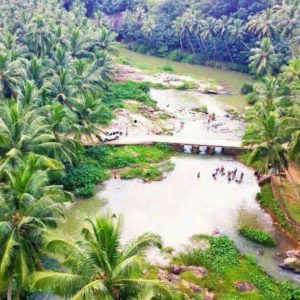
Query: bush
point(167, 68)
point(97, 152)
point(203, 109)
point(247, 88)
point(152, 174)
point(258, 236)
point(128, 90)
point(176, 55)
point(187, 85)
point(82, 175)
point(87, 191)
point(221, 254)
point(132, 173)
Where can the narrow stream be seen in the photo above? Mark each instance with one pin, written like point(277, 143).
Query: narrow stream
point(182, 205)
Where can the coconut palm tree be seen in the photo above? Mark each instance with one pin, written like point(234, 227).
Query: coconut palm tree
point(29, 206)
point(208, 31)
point(265, 138)
point(262, 56)
point(222, 27)
point(23, 131)
point(99, 267)
point(263, 24)
point(10, 74)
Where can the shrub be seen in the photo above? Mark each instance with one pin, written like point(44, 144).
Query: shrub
point(176, 55)
point(187, 85)
point(132, 173)
point(119, 160)
point(128, 90)
point(86, 191)
point(97, 152)
point(152, 174)
point(203, 109)
point(221, 254)
point(258, 236)
point(82, 175)
point(167, 68)
point(247, 88)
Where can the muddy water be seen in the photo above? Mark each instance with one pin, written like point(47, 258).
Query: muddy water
point(182, 205)
point(182, 103)
point(233, 81)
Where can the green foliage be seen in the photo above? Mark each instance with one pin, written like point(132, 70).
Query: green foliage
point(221, 255)
point(98, 153)
point(258, 236)
point(187, 85)
point(167, 68)
point(129, 90)
point(268, 202)
point(176, 55)
point(247, 88)
point(83, 178)
point(203, 109)
point(86, 191)
point(290, 291)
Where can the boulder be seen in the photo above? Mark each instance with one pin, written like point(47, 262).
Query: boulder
point(197, 271)
point(191, 286)
point(168, 277)
point(244, 286)
point(209, 295)
point(293, 253)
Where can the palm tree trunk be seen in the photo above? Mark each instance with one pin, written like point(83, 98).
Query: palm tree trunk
point(190, 42)
point(203, 43)
point(199, 43)
point(293, 184)
point(228, 52)
point(245, 45)
point(180, 39)
point(9, 288)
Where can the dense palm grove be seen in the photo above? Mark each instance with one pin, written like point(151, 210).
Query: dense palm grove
point(55, 73)
point(54, 66)
point(207, 31)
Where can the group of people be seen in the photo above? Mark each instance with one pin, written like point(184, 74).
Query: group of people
point(211, 117)
point(232, 176)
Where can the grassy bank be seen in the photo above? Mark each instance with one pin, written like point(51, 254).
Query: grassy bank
point(99, 163)
point(227, 267)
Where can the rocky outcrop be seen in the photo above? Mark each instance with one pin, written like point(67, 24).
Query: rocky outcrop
point(244, 286)
point(292, 261)
point(197, 271)
point(175, 281)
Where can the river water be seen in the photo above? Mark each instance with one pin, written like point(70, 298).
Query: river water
point(182, 205)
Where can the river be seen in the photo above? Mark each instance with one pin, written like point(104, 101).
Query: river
point(182, 205)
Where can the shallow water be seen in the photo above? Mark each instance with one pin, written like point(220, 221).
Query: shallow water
point(182, 205)
point(233, 81)
point(181, 104)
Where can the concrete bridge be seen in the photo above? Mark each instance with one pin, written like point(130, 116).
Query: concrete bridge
point(191, 144)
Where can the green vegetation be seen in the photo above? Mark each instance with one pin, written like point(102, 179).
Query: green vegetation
point(187, 85)
point(100, 265)
point(258, 236)
point(167, 68)
point(129, 90)
point(266, 33)
point(269, 203)
point(230, 268)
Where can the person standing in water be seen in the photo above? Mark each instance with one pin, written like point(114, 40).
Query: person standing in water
point(198, 175)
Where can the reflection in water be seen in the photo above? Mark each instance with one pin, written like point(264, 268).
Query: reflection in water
point(182, 205)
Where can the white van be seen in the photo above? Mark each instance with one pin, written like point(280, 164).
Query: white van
point(111, 136)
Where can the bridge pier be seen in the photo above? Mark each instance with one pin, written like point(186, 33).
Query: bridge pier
point(231, 151)
point(195, 149)
point(210, 150)
point(178, 147)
